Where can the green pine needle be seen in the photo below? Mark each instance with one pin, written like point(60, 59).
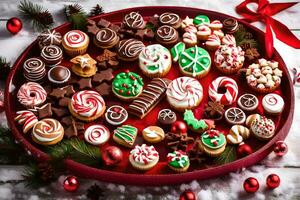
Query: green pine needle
point(78, 21)
point(228, 155)
point(31, 176)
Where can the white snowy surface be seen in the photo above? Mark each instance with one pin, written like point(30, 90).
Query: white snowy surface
point(223, 188)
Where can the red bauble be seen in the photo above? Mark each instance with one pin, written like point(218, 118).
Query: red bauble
point(280, 148)
point(71, 183)
point(14, 25)
point(188, 195)
point(244, 150)
point(273, 181)
point(179, 127)
point(251, 185)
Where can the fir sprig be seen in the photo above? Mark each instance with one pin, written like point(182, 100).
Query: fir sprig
point(4, 67)
point(39, 17)
point(76, 16)
point(228, 155)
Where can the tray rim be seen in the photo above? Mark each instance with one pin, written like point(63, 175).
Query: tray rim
point(142, 179)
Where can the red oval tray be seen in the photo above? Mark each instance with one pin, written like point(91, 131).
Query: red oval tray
point(153, 178)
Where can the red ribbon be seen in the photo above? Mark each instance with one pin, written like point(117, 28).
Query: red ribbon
point(264, 12)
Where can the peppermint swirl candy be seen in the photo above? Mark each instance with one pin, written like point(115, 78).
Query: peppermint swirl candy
point(170, 19)
point(34, 69)
point(273, 103)
point(87, 103)
point(106, 36)
point(96, 134)
point(47, 130)
point(229, 39)
point(75, 38)
point(166, 33)
point(31, 94)
point(144, 154)
point(134, 20)
point(185, 92)
point(51, 53)
point(130, 48)
point(27, 119)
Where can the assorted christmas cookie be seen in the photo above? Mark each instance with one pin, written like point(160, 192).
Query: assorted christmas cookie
point(34, 70)
point(177, 50)
point(194, 62)
point(214, 110)
point(49, 37)
point(197, 125)
point(178, 161)
point(129, 49)
point(224, 90)
point(52, 55)
point(213, 42)
point(215, 25)
point(248, 102)
point(229, 59)
point(237, 134)
point(84, 65)
point(59, 75)
point(264, 77)
point(153, 134)
point(106, 38)
point(166, 117)
point(186, 22)
point(47, 132)
point(184, 93)
point(170, 19)
point(112, 155)
point(230, 25)
point(87, 105)
point(27, 119)
point(235, 116)
point(116, 115)
point(149, 98)
point(31, 95)
point(134, 20)
point(127, 85)
point(155, 61)
point(96, 134)
point(189, 36)
point(228, 39)
point(143, 157)
point(273, 104)
point(201, 20)
point(213, 142)
point(203, 32)
point(125, 135)
point(75, 42)
point(166, 35)
point(261, 127)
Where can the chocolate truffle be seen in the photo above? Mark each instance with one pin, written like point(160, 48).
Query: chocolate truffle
point(112, 155)
point(59, 75)
point(52, 55)
point(166, 117)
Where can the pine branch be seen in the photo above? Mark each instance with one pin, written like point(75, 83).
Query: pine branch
point(73, 9)
point(31, 176)
point(4, 67)
point(76, 16)
point(228, 155)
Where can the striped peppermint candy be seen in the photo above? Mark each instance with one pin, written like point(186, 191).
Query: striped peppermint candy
point(27, 119)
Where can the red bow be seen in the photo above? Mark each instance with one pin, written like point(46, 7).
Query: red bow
point(264, 12)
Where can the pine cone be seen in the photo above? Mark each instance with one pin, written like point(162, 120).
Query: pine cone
point(73, 9)
point(45, 18)
point(46, 171)
point(97, 10)
point(95, 192)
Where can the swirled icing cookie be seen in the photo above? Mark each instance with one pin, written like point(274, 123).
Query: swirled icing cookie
point(34, 70)
point(49, 37)
point(153, 134)
point(229, 39)
point(213, 42)
point(230, 25)
point(134, 20)
point(125, 135)
point(116, 115)
point(52, 55)
point(129, 49)
point(166, 117)
point(213, 142)
point(194, 62)
point(166, 35)
point(47, 132)
point(143, 157)
point(273, 104)
point(178, 161)
point(216, 25)
point(84, 65)
point(106, 38)
point(235, 116)
point(31, 95)
point(203, 32)
point(27, 119)
point(177, 50)
point(248, 102)
point(170, 19)
point(96, 134)
point(87, 105)
point(75, 42)
point(200, 20)
point(127, 85)
point(155, 61)
point(261, 127)
point(184, 93)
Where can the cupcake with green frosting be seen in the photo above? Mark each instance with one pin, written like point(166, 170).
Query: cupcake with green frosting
point(178, 161)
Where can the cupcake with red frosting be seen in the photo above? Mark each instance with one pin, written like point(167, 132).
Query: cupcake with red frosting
point(75, 42)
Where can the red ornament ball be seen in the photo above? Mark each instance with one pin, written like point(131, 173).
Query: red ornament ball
point(280, 148)
point(251, 185)
point(179, 127)
point(71, 183)
point(273, 181)
point(14, 25)
point(188, 195)
point(244, 150)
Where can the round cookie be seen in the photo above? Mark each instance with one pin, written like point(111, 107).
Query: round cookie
point(75, 42)
point(248, 102)
point(215, 25)
point(127, 85)
point(178, 161)
point(129, 49)
point(177, 50)
point(184, 93)
point(230, 25)
point(116, 115)
point(31, 95)
point(49, 37)
point(261, 127)
point(200, 20)
point(235, 116)
point(153, 134)
point(34, 70)
point(170, 19)
point(203, 32)
point(224, 90)
point(59, 75)
point(194, 62)
point(87, 105)
point(143, 157)
point(213, 42)
point(112, 155)
point(213, 142)
point(52, 55)
point(96, 134)
point(155, 61)
point(27, 119)
point(166, 35)
point(134, 20)
point(166, 117)
point(106, 38)
point(273, 104)
point(47, 132)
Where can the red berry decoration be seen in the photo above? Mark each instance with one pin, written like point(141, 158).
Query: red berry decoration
point(280, 148)
point(14, 25)
point(244, 150)
point(188, 195)
point(71, 183)
point(273, 181)
point(251, 185)
point(179, 127)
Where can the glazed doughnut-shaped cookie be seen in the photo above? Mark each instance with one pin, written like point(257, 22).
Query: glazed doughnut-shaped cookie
point(184, 93)
point(230, 87)
point(96, 134)
point(31, 94)
point(47, 132)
